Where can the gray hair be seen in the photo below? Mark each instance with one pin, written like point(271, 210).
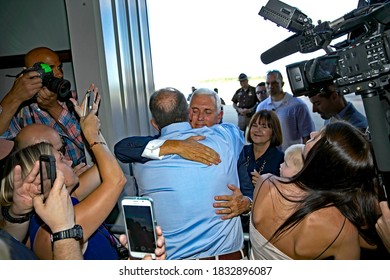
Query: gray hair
point(211, 93)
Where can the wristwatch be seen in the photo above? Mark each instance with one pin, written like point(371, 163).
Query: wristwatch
point(248, 212)
point(75, 232)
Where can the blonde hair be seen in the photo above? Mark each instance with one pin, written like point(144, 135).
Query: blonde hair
point(26, 158)
point(294, 154)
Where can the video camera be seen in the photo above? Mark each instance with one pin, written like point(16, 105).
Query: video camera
point(56, 85)
point(355, 65)
point(360, 64)
point(360, 67)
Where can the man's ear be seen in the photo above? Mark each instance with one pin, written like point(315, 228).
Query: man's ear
point(154, 124)
point(220, 115)
point(334, 95)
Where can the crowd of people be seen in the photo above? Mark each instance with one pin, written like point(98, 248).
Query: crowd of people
point(296, 192)
point(31, 225)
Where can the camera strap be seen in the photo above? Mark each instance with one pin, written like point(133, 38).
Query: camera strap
point(122, 251)
point(30, 111)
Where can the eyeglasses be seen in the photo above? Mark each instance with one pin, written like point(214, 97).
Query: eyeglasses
point(261, 92)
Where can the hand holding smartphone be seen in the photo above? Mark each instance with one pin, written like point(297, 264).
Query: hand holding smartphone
point(140, 226)
point(88, 102)
point(47, 171)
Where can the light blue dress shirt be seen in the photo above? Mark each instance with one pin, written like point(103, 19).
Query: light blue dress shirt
point(183, 192)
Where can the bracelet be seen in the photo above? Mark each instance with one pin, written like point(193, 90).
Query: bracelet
point(250, 208)
point(96, 143)
point(9, 218)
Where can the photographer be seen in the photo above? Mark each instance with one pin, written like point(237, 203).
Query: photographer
point(332, 105)
point(30, 101)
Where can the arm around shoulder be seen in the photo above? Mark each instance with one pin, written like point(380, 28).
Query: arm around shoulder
point(130, 149)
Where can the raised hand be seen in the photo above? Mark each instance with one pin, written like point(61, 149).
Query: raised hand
point(25, 190)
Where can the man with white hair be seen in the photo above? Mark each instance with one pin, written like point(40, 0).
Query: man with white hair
point(183, 191)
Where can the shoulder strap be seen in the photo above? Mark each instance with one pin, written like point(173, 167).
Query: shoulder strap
point(337, 236)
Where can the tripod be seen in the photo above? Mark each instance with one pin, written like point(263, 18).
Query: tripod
point(377, 107)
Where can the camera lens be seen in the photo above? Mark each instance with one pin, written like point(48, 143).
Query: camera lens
point(59, 86)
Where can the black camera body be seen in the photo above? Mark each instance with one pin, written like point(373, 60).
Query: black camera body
point(360, 64)
point(363, 66)
point(123, 252)
point(56, 85)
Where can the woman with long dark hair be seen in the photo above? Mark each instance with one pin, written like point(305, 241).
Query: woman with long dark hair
point(327, 210)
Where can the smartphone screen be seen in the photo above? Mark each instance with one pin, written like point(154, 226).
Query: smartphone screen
point(47, 171)
point(140, 226)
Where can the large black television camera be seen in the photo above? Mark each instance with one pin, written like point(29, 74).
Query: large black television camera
point(360, 67)
point(360, 64)
point(354, 65)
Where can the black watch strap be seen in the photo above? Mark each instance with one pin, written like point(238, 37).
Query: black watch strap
point(75, 232)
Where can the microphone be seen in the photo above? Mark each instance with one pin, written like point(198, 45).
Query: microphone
point(290, 18)
point(283, 49)
point(309, 38)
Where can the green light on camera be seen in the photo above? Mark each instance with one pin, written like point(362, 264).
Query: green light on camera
point(46, 67)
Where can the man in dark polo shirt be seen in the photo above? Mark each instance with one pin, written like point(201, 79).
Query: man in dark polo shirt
point(244, 101)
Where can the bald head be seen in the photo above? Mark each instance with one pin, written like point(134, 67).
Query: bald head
point(168, 105)
point(36, 133)
point(45, 55)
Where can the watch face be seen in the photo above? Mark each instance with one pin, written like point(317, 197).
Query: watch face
point(78, 231)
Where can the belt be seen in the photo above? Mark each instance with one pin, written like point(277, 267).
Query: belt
point(238, 255)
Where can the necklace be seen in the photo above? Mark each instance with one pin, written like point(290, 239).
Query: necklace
point(262, 167)
point(248, 159)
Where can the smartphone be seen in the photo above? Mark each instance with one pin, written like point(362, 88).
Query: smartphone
point(47, 171)
point(140, 226)
point(89, 99)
